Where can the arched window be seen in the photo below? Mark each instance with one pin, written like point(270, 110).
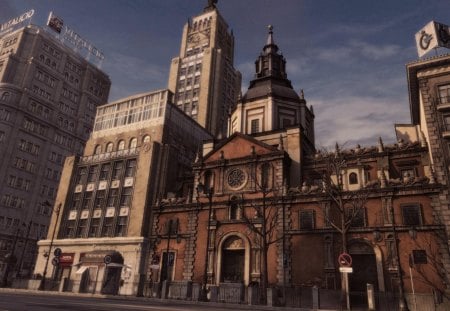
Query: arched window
point(353, 179)
point(109, 147)
point(121, 145)
point(146, 139)
point(208, 180)
point(235, 210)
point(265, 175)
point(133, 143)
point(98, 149)
point(5, 96)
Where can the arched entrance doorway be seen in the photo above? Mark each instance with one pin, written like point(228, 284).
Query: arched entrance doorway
point(233, 260)
point(111, 281)
point(365, 271)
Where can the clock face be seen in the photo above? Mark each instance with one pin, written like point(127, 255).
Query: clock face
point(194, 38)
point(200, 37)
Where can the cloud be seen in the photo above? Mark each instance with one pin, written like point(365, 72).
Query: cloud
point(136, 75)
point(357, 119)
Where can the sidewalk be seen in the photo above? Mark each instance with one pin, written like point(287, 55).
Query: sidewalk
point(161, 301)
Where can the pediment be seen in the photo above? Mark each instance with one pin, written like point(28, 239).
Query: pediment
point(239, 146)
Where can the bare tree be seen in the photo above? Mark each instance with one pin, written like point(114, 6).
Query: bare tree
point(433, 273)
point(261, 217)
point(345, 206)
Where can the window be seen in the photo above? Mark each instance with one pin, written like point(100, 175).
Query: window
point(108, 226)
point(81, 230)
point(121, 226)
point(353, 179)
point(117, 171)
point(93, 229)
point(121, 145)
point(411, 215)
point(306, 221)
point(419, 257)
point(130, 169)
point(70, 229)
point(100, 199)
point(408, 173)
point(109, 147)
point(92, 175)
point(81, 175)
point(265, 175)
point(444, 94)
point(86, 200)
point(112, 197)
point(357, 217)
point(254, 127)
point(104, 173)
point(133, 143)
point(125, 198)
point(235, 209)
point(446, 118)
point(146, 139)
point(98, 149)
point(76, 198)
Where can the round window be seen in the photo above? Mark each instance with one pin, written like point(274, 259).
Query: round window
point(236, 178)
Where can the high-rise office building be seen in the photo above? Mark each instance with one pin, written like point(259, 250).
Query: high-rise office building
point(202, 77)
point(48, 98)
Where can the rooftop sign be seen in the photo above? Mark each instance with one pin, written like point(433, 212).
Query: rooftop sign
point(431, 36)
point(12, 23)
point(70, 36)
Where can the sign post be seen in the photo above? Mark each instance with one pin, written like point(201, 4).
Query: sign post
point(345, 267)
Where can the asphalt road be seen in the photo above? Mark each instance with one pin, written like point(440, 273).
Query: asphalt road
point(35, 301)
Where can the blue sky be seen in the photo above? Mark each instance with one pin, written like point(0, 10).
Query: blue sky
point(348, 56)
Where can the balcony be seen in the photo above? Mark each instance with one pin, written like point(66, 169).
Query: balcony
point(109, 156)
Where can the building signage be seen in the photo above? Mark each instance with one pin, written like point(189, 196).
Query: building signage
point(431, 36)
point(8, 26)
point(70, 36)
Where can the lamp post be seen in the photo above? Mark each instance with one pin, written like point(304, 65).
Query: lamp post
point(44, 275)
point(402, 305)
point(10, 259)
point(209, 193)
point(19, 266)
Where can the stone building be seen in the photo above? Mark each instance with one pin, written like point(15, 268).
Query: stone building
point(202, 77)
point(141, 146)
point(48, 98)
point(265, 194)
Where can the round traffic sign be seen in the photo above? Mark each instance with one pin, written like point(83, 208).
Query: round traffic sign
point(57, 252)
point(55, 261)
point(345, 260)
point(107, 259)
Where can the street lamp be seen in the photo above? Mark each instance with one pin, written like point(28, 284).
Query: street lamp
point(10, 259)
point(19, 266)
point(44, 275)
point(208, 191)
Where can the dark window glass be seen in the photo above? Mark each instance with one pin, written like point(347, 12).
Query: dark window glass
point(307, 220)
point(411, 215)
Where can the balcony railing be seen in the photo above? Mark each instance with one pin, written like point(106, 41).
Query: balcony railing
point(109, 155)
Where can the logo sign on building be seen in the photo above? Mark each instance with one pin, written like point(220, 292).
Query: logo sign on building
point(70, 37)
point(16, 22)
point(54, 22)
point(431, 36)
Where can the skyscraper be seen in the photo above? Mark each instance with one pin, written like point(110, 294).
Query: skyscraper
point(202, 77)
point(48, 98)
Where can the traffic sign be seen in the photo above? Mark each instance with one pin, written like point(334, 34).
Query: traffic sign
point(346, 269)
point(55, 261)
point(345, 260)
point(107, 259)
point(57, 252)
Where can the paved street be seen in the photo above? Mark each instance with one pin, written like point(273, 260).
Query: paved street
point(11, 300)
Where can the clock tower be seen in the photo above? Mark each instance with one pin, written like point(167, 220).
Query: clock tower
point(203, 78)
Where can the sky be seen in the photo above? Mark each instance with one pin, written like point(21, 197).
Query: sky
point(348, 56)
